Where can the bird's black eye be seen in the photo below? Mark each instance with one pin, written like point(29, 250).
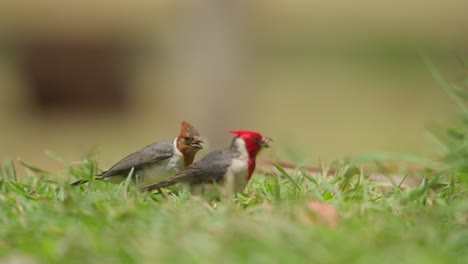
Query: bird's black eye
point(187, 139)
point(257, 140)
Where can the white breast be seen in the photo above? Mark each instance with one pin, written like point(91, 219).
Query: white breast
point(236, 176)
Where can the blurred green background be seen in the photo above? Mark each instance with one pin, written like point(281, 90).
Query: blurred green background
point(325, 79)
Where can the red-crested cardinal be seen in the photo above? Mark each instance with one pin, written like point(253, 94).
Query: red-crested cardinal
point(158, 161)
point(229, 168)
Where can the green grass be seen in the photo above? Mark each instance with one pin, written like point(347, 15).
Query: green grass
point(47, 221)
point(50, 222)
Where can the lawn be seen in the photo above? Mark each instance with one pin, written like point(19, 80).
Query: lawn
point(341, 215)
point(280, 218)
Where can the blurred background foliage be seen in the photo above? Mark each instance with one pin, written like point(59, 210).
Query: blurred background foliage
point(325, 79)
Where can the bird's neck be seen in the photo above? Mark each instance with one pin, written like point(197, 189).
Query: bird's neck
point(241, 152)
point(187, 153)
point(189, 157)
point(251, 163)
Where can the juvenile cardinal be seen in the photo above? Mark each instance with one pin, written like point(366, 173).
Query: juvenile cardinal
point(158, 161)
point(230, 168)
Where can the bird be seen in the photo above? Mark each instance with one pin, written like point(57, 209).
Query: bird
point(157, 161)
point(227, 170)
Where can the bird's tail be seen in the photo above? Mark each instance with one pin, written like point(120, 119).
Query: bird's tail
point(157, 186)
point(79, 182)
point(83, 181)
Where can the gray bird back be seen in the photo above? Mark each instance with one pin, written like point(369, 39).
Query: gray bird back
point(210, 168)
point(155, 152)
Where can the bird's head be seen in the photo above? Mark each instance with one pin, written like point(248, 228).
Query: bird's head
point(189, 141)
point(254, 141)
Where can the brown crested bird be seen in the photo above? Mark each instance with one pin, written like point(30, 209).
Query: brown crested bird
point(156, 162)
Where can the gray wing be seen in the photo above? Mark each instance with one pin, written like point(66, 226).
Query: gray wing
point(152, 153)
point(211, 168)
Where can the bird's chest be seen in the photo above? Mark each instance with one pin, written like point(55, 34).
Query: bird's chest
point(236, 175)
point(160, 171)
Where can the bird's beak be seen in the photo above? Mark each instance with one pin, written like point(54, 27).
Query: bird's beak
point(197, 143)
point(265, 142)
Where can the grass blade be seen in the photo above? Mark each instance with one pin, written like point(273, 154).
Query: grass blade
point(285, 174)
